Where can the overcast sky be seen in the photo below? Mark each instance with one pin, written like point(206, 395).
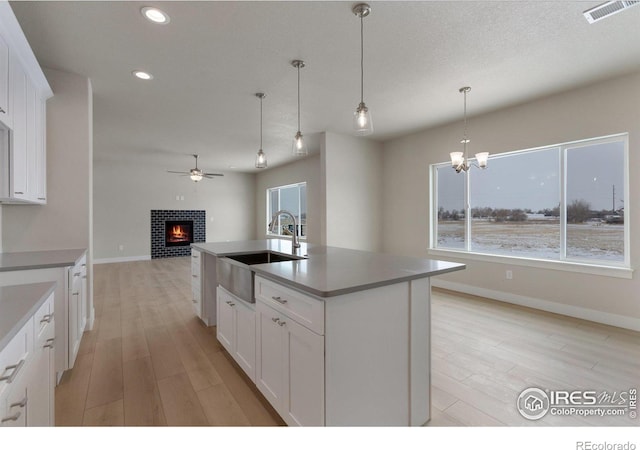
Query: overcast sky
point(531, 180)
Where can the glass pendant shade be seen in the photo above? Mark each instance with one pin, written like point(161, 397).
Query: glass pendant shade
point(362, 123)
point(261, 160)
point(196, 177)
point(482, 159)
point(299, 148)
point(457, 159)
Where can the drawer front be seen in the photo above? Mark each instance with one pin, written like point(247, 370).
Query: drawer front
point(305, 310)
point(13, 358)
point(196, 258)
point(43, 318)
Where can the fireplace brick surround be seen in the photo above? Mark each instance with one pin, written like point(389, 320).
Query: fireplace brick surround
point(158, 219)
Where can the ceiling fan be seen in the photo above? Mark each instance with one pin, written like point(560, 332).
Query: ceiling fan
point(197, 174)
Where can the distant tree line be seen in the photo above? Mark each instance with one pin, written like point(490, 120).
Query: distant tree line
point(578, 211)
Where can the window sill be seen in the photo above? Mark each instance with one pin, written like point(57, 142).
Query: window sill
point(591, 269)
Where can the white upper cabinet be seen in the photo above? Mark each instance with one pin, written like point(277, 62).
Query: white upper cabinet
point(17, 167)
point(5, 110)
point(23, 94)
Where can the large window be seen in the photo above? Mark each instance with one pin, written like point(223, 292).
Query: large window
point(292, 198)
point(559, 203)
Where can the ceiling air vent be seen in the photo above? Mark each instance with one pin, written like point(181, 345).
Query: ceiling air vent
point(607, 9)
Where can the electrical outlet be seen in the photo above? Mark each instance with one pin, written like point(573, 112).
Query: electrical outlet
point(509, 275)
point(121, 247)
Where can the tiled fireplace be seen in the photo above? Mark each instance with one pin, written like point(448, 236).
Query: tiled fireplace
point(172, 231)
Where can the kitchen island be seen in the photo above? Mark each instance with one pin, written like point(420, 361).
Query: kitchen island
point(335, 337)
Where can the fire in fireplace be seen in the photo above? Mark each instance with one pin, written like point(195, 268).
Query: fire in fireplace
point(178, 232)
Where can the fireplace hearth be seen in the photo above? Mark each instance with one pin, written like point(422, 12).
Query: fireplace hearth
point(173, 231)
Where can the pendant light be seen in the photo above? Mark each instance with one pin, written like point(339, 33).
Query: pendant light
point(299, 148)
point(362, 118)
point(459, 160)
point(261, 158)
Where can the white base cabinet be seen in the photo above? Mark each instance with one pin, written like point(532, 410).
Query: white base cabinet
point(236, 330)
point(77, 298)
point(290, 367)
point(27, 378)
point(204, 286)
point(358, 359)
point(73, 312)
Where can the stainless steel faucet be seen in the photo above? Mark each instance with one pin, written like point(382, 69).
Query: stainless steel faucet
point(295, 244)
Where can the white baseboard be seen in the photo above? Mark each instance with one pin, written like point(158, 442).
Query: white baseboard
point(121, 259)
point(592, 315)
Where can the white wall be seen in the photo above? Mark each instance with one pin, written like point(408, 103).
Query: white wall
point(604, 108)
point(125, 194)
point(307, 169)
point(352, 197)
point(64, 222)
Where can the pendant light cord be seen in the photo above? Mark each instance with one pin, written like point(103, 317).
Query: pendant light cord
point(465, 124)
point(298, 98)
point(361, 59)
point(260, 123)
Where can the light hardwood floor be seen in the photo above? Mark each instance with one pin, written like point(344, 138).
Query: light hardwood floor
point(149, 360)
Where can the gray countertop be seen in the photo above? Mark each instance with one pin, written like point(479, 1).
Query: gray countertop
point(332, 271)
point(18, 304)
point(40, 260)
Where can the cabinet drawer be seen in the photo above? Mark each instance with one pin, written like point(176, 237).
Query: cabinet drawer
point(13, 358)
point(43, 318)
point(195, 259)
point(305, 310)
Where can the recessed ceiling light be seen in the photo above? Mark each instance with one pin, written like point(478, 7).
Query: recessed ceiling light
point(155, 15)
point(142, 75)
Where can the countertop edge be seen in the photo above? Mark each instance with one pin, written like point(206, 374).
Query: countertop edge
point(4, 340)
point(349, 290)
point(52, 265)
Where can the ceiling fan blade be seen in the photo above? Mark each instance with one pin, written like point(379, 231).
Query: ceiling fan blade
point(209, 175)
point(173, 171)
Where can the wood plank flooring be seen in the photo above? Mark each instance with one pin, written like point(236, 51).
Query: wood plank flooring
point(150, 362)
point(485, 353)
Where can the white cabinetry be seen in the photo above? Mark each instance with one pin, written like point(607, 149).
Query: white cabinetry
point(5, 109)
point(290, 353)
point(73, 312)
point(23, 94)
point(356, 359)
point(27, 372)
point(17, 163)
point(236, 330)
point(204, 285)
point(196, 281)
point(77, 307)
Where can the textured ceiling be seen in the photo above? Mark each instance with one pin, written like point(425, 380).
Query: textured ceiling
point(213, 56)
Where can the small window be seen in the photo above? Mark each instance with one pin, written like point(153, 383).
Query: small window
point(292, 198)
